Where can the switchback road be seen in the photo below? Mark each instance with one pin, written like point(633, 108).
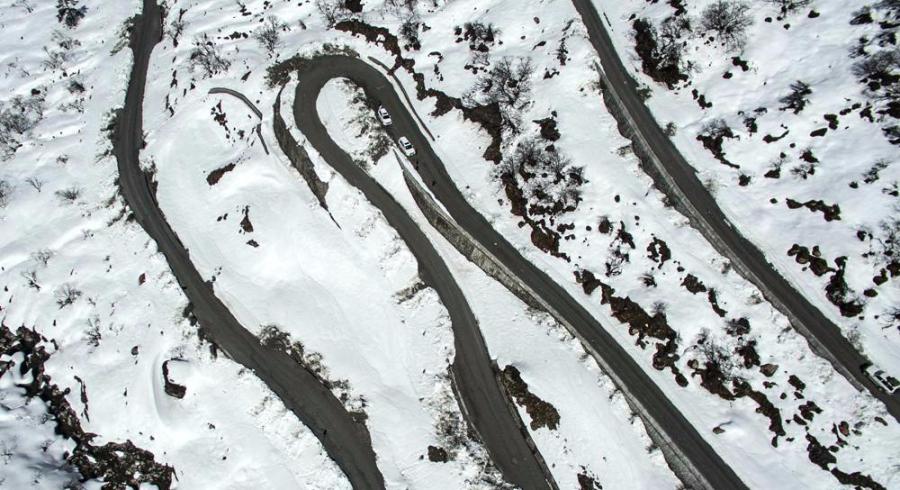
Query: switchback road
point(707, 467)
point(678, 180)
point(482, 398)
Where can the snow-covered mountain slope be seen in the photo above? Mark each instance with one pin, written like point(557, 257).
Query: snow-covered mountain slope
point(792, 129)
point(81, 274)
point(554, 176)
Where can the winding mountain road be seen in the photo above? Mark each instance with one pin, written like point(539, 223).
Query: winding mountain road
point(486, 406)
point(704, 463)
point(681, 186)
point(347, 442)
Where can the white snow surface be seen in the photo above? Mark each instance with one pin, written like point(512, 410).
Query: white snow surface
point(334, 289)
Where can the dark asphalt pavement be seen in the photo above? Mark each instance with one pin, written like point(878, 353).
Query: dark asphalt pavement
point(483, 399)
point(632, 378)
point(346, 442)
point(823, 335)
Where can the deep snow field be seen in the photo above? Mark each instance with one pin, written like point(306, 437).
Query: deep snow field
point(347, 287)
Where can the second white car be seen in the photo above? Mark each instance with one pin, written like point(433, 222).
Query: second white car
point(407, 147)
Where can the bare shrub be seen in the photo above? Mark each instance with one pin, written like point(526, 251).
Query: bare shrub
point(30, 277)
point(798, 98)
point(66, 295)
point(69, 13)
point(69, 195)
point(176, 27)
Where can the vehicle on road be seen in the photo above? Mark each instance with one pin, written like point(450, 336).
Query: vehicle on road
point(886, 382)
point(407, 147)
point(384, 116)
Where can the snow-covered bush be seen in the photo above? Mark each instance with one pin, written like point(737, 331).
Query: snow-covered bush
point(662, 50)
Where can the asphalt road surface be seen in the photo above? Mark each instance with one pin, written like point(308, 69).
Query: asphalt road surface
point(483, 399)
point(824, 336)
point(675, 427)
point(346, 442)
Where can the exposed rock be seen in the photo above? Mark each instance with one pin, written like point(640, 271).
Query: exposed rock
point(542, 414)
point(437, 454)
point(172, 389)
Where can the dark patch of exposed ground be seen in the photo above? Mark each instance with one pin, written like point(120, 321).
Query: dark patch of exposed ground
point(542, 413)
point(216, 175)
point(117, 465)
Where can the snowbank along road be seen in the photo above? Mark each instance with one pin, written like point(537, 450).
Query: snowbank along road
point(708, 467)
point(684, 188)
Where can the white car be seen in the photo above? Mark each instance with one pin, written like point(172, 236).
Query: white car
point(384, 116)
point(406, 146)
point(884, 381)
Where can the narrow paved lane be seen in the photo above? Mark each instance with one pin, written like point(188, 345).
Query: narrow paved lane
point(684, 187)
point(483, 399)
point(708, 467)
point(346, 442)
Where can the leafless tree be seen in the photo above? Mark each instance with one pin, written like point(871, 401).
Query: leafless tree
point(508, 83)
point(69, 13)
point(30, 277)
point(268, 35)
point(333, 11)
point(176, 27)
point(729, 19)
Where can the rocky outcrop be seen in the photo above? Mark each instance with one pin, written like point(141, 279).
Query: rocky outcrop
point(297, 155)
point(116, 464)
